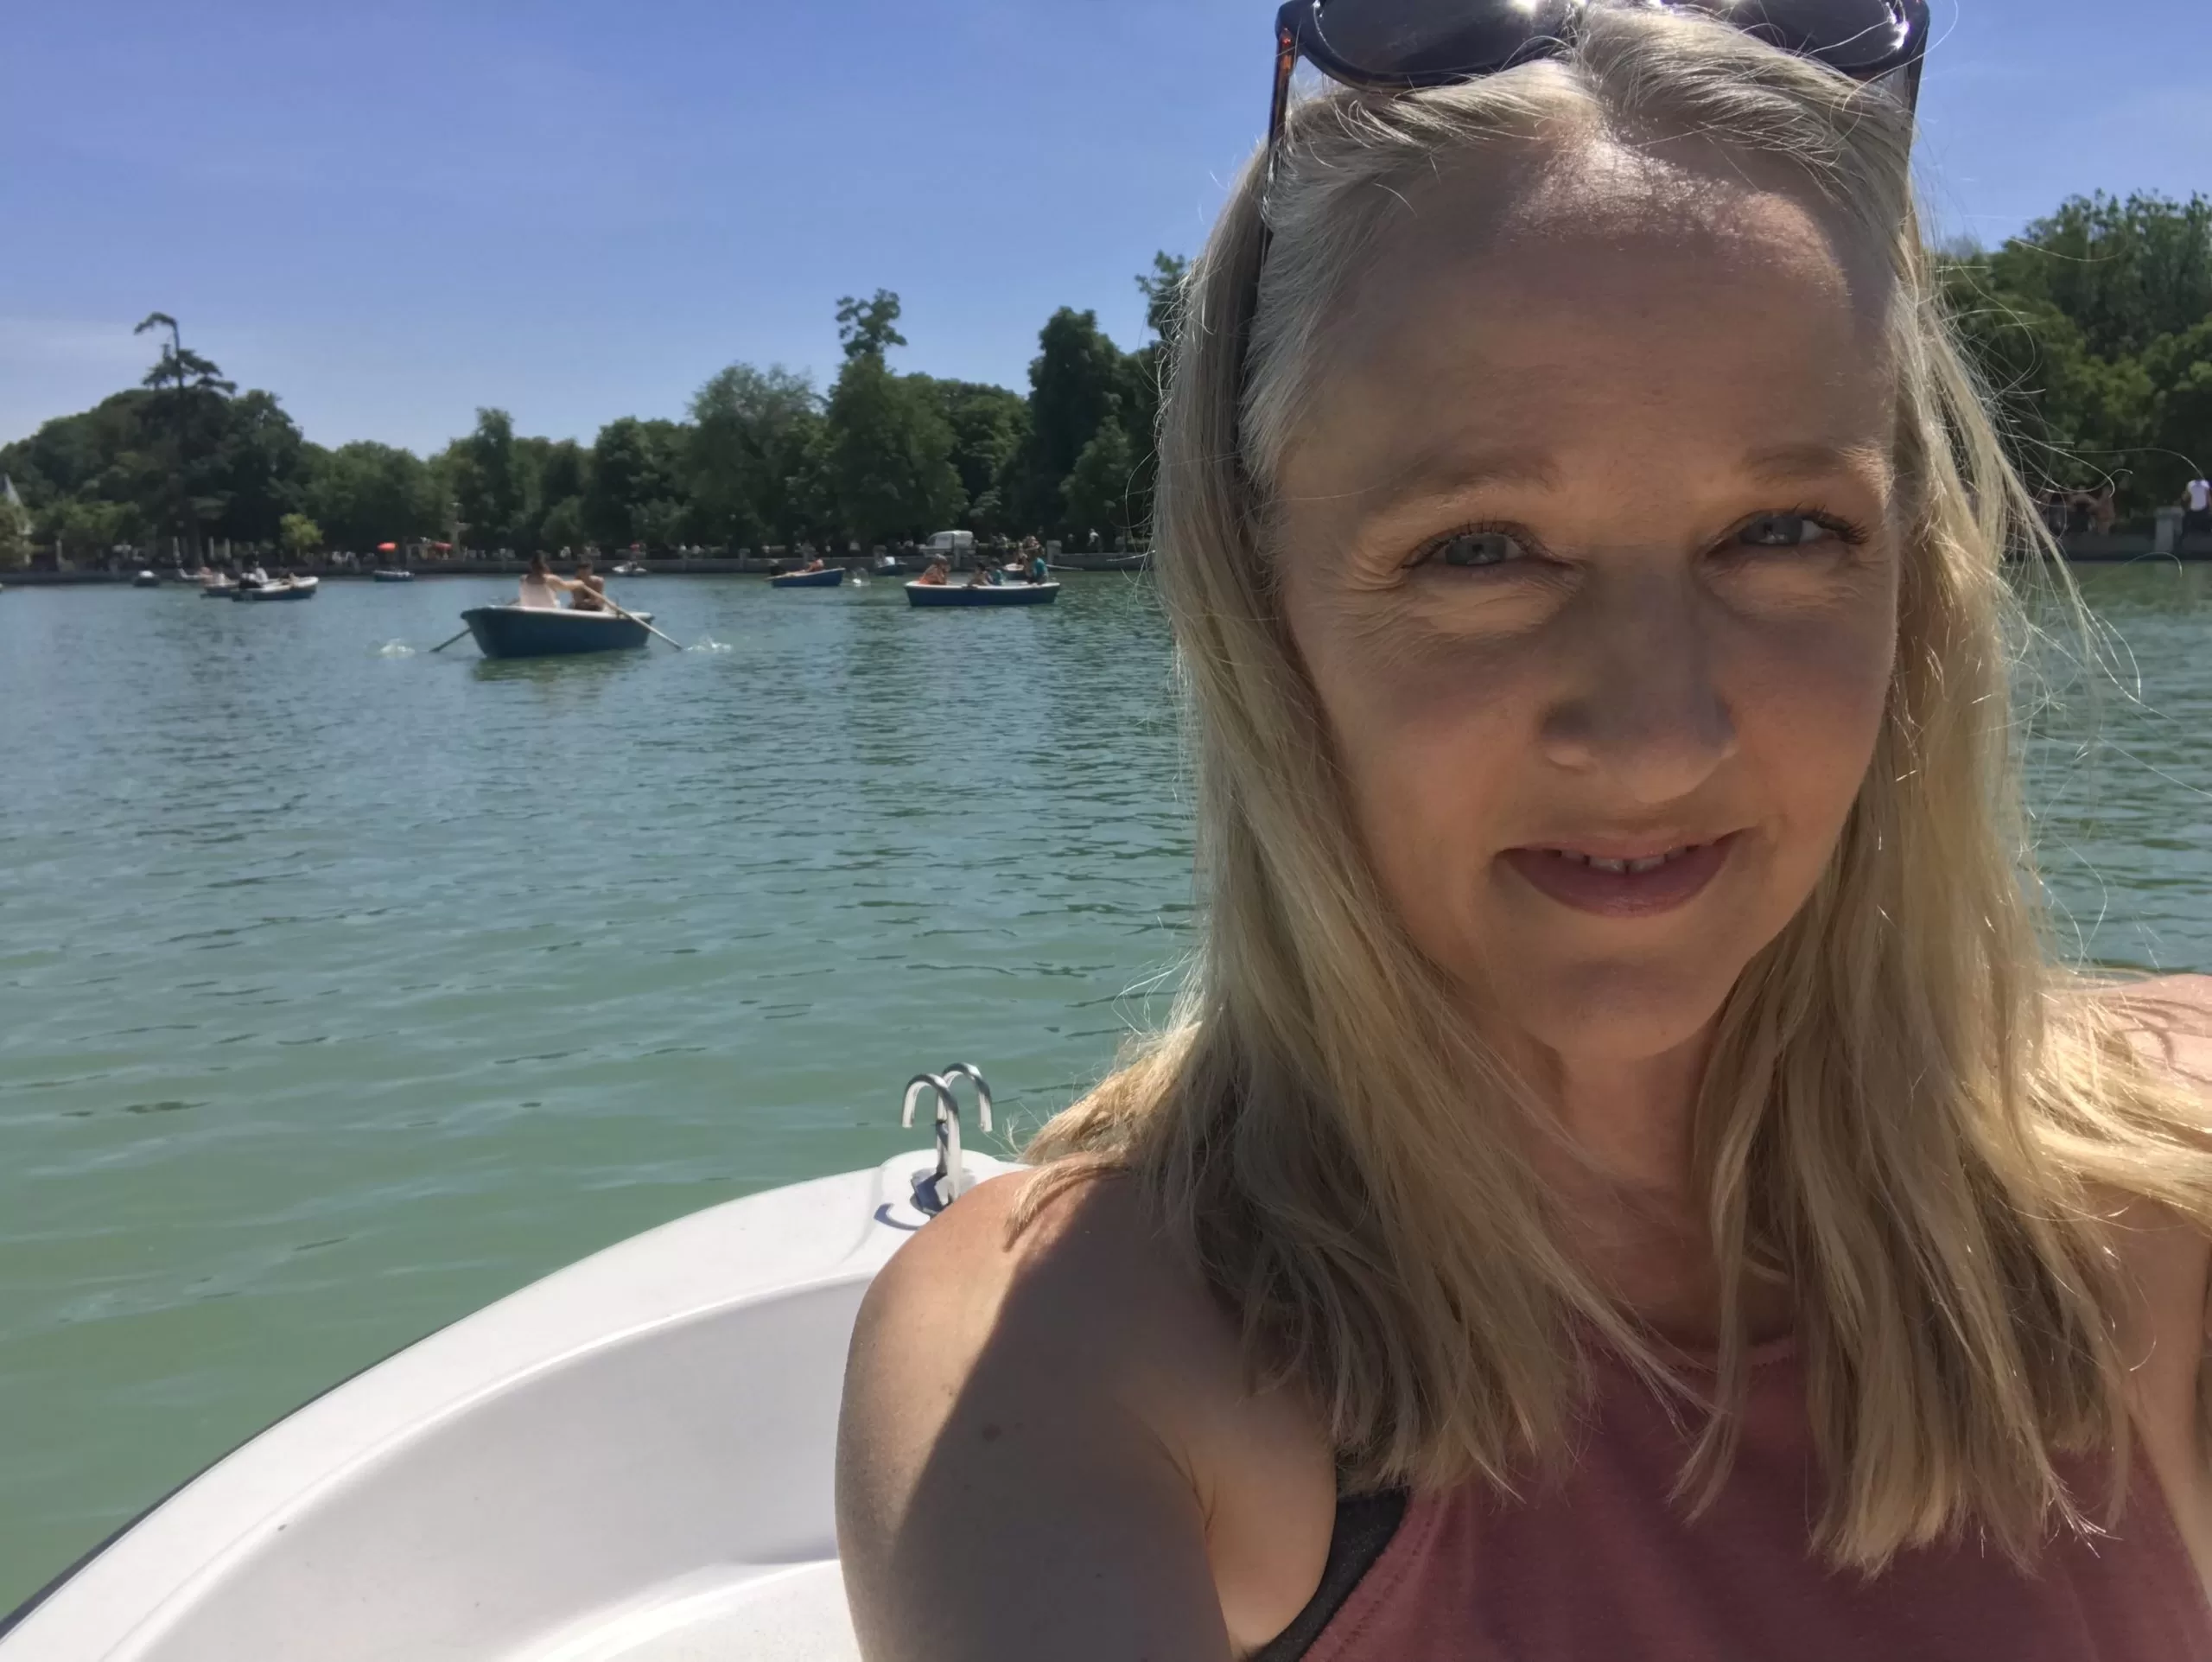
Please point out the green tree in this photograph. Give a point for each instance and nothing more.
(364, 493)
(1078, 380)
(869, 327)
(15, 528)
(299, 535)
(173, 465)
(1151, 368)
(636, 491)
(259, 470)
(2125, 272)
(2180, 366)
(750, 452)
(889, 456)
(887, 446)
(2091, 331)
(488, 482)
(989, 426)
(1098, 492)
(563, 526)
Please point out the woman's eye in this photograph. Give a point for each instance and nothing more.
(1785, 530)
(1472, 549)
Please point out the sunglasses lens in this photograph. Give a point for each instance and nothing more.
(1435, 39)
(1846, 35)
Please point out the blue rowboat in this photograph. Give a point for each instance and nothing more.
(959, 594)
(541, 632)
(829, 579)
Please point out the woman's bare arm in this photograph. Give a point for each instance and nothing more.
(2164, 1330)
(1047, 1451)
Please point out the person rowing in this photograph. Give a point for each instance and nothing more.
(588, 591)
(1627, 1178)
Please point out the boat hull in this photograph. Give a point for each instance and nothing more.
(395, 577)
(537, 632)
(275, 593)
(834, 577)
(1011, 594)
(667, 1410)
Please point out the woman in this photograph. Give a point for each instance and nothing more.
(541, 589)
(1628, 1181)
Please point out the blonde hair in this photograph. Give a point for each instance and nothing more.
(1909, 1114)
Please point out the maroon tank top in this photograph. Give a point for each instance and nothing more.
(1599, 1566)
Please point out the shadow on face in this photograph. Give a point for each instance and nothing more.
(1589, 546)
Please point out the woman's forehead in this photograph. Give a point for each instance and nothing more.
(1543, 310)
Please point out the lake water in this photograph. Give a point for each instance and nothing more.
(344, 987)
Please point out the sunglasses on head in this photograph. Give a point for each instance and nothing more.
(1382, 45)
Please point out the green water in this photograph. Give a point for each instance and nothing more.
(342, 992)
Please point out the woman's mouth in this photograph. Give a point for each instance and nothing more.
(1615, 884)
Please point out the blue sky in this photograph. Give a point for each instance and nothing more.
(392, 213)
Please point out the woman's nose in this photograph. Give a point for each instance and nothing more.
(1642, 709)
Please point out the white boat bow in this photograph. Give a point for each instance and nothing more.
(630, 1461)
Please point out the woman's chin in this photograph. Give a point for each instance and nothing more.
(1607, 1012)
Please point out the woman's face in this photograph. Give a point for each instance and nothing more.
(1589, 548)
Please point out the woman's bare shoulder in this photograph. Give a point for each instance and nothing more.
(2169, 1023)
(2169, 1020)
(1058, 1375)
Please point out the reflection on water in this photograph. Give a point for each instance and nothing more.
(348, 986)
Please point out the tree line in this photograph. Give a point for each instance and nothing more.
(764, 458)
(2093, 329)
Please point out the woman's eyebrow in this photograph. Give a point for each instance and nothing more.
(1441, 476)
(1783, 464)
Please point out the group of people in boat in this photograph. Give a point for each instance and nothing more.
(541, 589)
(938, 575)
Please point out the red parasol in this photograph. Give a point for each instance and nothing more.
(387, 548)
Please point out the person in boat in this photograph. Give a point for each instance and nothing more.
(1630, 1180)
(541, 588)
(254, 577)
(814, 563)
(588, 591)
(1039, 570)
(937, 574)
(981, 574)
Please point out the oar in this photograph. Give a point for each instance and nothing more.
(634, 617)
(443, 645)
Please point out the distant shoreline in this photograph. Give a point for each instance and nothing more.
(2081, 549)
(512, 568)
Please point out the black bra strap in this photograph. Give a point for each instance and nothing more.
(1366, 1524)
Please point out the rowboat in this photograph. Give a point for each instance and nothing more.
(1002, 593)
(829, 577)
(630, 1460)
(545, 632)
(393, 576)
(283, 589)
(146, 580)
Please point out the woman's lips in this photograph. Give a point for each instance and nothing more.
(1619, 887)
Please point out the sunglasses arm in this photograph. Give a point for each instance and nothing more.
(1287, 49)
